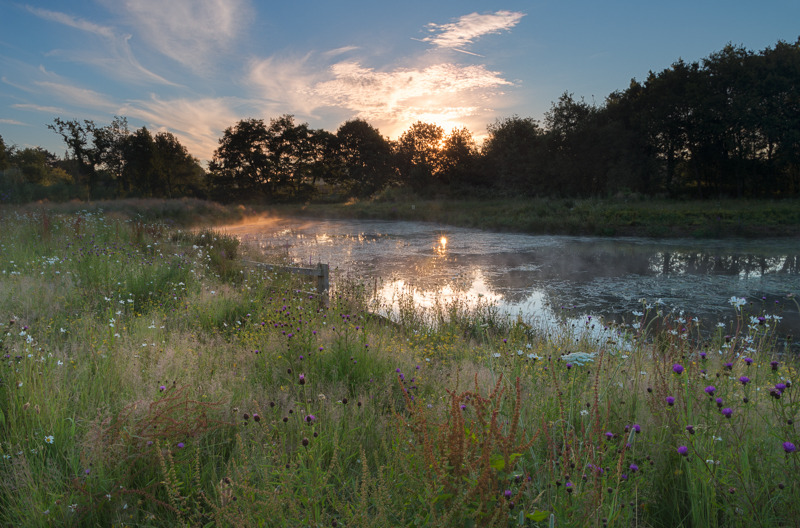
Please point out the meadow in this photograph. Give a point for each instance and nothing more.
(147, 378)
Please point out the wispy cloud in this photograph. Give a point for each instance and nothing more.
(467, 28)
(198, 123)
(116, 56)
(74, 22)
(191, 32)
(12, 122)
(78, 96)
(40, 108)
(286, 82)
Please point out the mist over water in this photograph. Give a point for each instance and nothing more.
(538, 277)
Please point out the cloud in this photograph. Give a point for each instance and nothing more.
(286, 82)
(71, 21)
(77, 96)
(440, 93)
(191, 32)
(198, 123)
(116, 57)
(467, 28)
(40, 108)
(13, 122)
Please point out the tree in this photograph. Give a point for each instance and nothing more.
(459, 155)
(418, 154)
(3, 155)
(240, 167)
(79, 139)
(177, 172)
(513, 157)
(281, 161)
(363, 164)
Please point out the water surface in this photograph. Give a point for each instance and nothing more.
(538, 276)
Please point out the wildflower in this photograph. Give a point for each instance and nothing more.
(710, 390)
(310, 418)
(677, 368)
(774, 365)
(780, 387)
(162, 388)
(507, 493)
(637, 428)
(744, 380)
(634, 468)
(496, 354)
(789, 447)
(748, 361)
(670, 401)
(609, 435)
(181, 445)
(49, 439)
(727, 412)
(568, 486)
(719, 402)
(302, 379)
(690, 429)
(305, 442)
(683, 450)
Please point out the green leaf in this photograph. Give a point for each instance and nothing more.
(497, 462)
(442, 497)
(537, 516)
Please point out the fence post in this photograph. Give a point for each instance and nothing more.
(323, 279)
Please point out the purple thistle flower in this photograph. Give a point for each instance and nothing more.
(690, 429)
(634, 468)
(162, 388)
(507, 493)
(609, 435)
(677, 368)
(780, 387)
(670, 401)
(749, 361)
(719, 402)
(744, 380)
(181, 445)
(310, 418)
(710, 390)
(789, 447)
(637, 428)
(727, 412)
(702, 355)
(728, 366)
(774, 365)
(683, 450)
(302, 379)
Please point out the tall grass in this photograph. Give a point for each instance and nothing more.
(147, 379)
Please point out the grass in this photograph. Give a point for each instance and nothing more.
(602, 217)
(146, 379)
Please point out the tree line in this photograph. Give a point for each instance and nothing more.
(725, 126)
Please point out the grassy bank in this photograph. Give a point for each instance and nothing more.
(147, 379)
(612, 217)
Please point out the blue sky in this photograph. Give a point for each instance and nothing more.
(196, 67)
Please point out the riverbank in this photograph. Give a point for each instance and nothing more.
(610, 217)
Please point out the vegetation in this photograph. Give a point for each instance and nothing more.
(724, 127)
(148, 379)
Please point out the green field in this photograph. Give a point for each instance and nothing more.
(148, 379)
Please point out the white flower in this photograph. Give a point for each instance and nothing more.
(637, 314)
(584, 412)
(496, 354)
(63, 330)
(737, 302)
(49, 439)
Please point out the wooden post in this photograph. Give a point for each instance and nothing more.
(321, 273)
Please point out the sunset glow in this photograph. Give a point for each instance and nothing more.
(196, 67)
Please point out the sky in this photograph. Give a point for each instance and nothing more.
(197, 67)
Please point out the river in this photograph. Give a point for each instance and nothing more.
(540, 278)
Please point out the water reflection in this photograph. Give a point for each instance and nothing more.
(537, 275)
